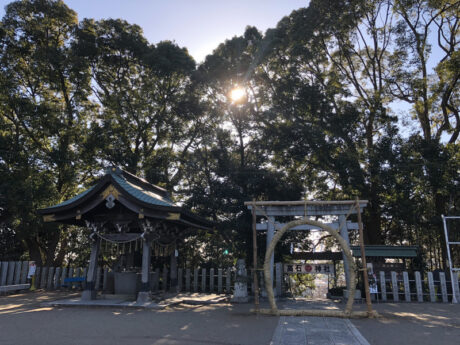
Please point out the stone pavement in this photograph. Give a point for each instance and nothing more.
(300, 330)
(294, 330)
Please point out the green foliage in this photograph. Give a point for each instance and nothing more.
(316, 122)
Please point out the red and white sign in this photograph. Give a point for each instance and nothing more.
(309, 268)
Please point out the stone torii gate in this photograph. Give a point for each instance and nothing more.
(339, 210)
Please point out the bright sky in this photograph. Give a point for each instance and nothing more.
(198, 25)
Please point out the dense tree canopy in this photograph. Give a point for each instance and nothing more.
(320, 118)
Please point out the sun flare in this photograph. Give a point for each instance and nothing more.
(237, 94)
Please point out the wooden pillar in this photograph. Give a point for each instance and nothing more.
(383, 286)
(173, 273)
(431, 287)
(219, 280)
(394, 286)
(279, 278)
(270, 234)
(203, 280)
(180, 279)
(187, 279)
(144, 295)
(57, 278)
(363, 259)
(407, 295)
(344, 234)
(255, 284)
(228, 278)
(90, 292)
(442, 278)
(195, 280)
(418, 286)
(4, 273)
(211, 280)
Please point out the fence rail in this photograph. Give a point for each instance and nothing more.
(392, 286)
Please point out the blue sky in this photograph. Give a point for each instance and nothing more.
(198, 25)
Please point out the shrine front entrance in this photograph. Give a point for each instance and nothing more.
(130, 222)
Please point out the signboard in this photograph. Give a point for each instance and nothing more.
(32, 268)
(309, 268)
(373, 287)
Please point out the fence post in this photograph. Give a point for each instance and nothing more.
(279, 277)
(70, 285)
(63, 276)
(195, 280)
(49, 282)
(164, 280)
(17, 272)
(394, 286)
(38, 272)
(211, 280)
(431, 287)
(24, 272)
(203, 280)
(442, 278)
(228, 282)
(406, 286)
(10, 277)
(219, 280)
(383, 286)
(180, 273)
(418, 286)
(44, 277)
(456, 292)
(4, 273)
(57, 278)
(187, 279)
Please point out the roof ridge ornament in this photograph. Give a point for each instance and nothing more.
(110, 201)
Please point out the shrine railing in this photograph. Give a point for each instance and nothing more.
(389, 286)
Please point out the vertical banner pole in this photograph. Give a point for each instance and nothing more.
(363, 258)
(254, 251)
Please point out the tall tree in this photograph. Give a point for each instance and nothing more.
(44, 108)
(149, 115)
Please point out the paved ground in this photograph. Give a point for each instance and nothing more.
(122, 301)
(412, 323)
(316, 331)
(24, 321)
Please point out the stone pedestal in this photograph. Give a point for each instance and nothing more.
(240, 293)
(144, 297)
(88, 295)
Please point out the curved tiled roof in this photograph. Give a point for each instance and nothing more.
(75, 198)
(134, 189)
(142, 194)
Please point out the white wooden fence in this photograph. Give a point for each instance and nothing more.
(403, 287)
(396, 287)
(213, 280)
